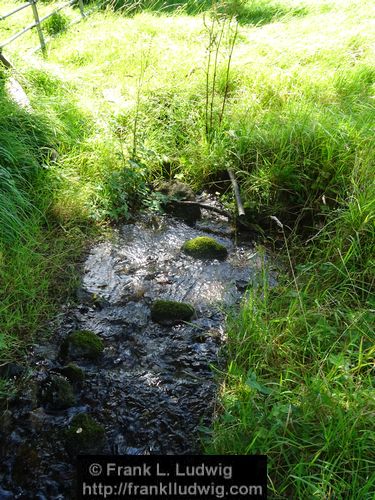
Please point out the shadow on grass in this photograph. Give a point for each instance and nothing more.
(260, 12)
(256, 12)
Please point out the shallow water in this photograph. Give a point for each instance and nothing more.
(154, 387)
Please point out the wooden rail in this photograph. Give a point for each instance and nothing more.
(36, 24)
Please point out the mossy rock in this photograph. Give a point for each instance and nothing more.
(168, 312)
(82, 344)
(73, 373)
(85, 435)
(177, 190)
(204, 247)
(57, 393)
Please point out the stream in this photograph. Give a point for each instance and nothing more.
(153, 387)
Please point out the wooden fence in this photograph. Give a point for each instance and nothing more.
(38, 21)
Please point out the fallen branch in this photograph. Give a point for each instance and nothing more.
(240, 220)
(236, 190)
(219, 211)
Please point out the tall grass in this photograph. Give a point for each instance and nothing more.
(310, 350)
(34, 258)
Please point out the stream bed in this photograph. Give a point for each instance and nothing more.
(153, 388)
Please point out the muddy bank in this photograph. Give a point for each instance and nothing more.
(152, 387)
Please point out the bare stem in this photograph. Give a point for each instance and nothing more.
(217, 51)
(145, 62)
(210, 30)
(231, 49)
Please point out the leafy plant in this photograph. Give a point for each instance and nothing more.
(125, 191)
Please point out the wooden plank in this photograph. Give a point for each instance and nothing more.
(14, 37)
(38, 22)
(21, 7)
(47, 16)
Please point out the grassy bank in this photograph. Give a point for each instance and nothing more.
(297, 129)
(38, 250)
(300, 377)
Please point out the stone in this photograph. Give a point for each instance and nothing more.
(188, 213)
(37, 419)
(90, 299)
(177, 190)
(82, 344)
(4, 494)
(85, 435)
(6, 420)
(204, 247)
(57, 393)
(167, 312)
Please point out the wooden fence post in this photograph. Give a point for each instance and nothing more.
(37, 23)
(80, 4)
(5, 61)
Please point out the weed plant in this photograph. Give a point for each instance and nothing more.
(56, 24)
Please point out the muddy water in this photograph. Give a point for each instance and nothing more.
(153, 388)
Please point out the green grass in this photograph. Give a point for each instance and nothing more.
(296, 118)
(35, 256)
(122, 100)
(301, 373)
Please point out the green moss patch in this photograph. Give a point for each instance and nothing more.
(169, 311)
(73, 373)
(82, 344)
(57, 393)
(85, 435)
(204, 247)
